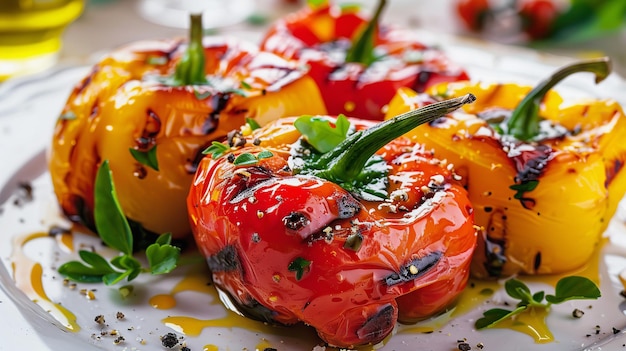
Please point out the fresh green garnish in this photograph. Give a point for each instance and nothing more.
(568, 288)
(299, 265)
(523, 187)
(115, 232)
(321, 133)
(69, 115)
(247, 159)
(216, 150)
(350, 160)
(201, 95)
(254, 125)
(146, 158)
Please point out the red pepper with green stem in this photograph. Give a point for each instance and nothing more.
(358, 64)
(349, 240)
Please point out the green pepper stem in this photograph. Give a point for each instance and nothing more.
(348, 159)
(190, 69)
(362, 49)
(524, 121)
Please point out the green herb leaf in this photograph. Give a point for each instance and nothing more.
(79, 272)
(96, 261)
(110, 221)
(523, 187)
(299, 265)
(162, 258)
(216, 150)
(246, 86)
(245, 159)
(574, 288)
(321, 133)
(156, 60)
(496, 315)
(201, 95)
(264, 154)
(164, 239)
(254, 125)
(68, 115)
(517, 290)
(146, 158)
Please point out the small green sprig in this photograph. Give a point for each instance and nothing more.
(115, 232)
(568, 288)
(146, 158)
(247, 159)
(216, 150)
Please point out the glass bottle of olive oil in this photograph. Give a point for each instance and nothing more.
(31, 32)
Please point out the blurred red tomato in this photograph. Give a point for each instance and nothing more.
(473, 13)
(537, 17)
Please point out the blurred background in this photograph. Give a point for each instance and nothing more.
(78, 32)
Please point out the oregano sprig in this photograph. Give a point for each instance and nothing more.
(568, 288)
(115, 232)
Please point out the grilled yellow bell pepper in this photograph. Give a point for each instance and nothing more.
(151, 109)
(544, 174)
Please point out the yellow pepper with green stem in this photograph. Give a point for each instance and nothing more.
(544, 174)
(151, 108)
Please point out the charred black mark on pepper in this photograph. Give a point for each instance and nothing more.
(495, 257)
(257, 177)
(347, 207)
(147, 140)
(56, 230)
(421, 82)
(414, 269)
(378, 325)
(226, 260)
(537, 262)
(219, 102)
(611, 172)
(296, 220)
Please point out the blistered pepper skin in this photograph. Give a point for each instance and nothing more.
(127, 103)
(320, 37)
(555, 227)
(292, 248)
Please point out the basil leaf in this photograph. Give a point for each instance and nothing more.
(216, 150)
(146, 158)
(524, 187)
(96, 261)
(78, 271)
(321, 133)
(252, 123)
(264, 154)
(495, 315)
(574, 288)
(162, 258)
(110, 221)
(299, 265)
(245, 159)
(517, 290)
(164, 239)
(114, 278)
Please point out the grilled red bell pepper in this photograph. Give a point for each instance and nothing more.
(358, 65)
(287, 242)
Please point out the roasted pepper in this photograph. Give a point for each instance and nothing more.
(342, 240)
(357, 65)
(544, 174)
(151, 108)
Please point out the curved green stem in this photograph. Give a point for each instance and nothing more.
(524, 121)
(190, 69)
(347, 160)
(362, 49)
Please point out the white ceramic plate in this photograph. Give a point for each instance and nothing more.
(183, 303)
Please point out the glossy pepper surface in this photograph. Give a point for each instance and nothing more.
(289, 246)
(358, 65)
(545, 196)
(151, 108)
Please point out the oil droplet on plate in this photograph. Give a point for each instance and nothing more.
(162, 301)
